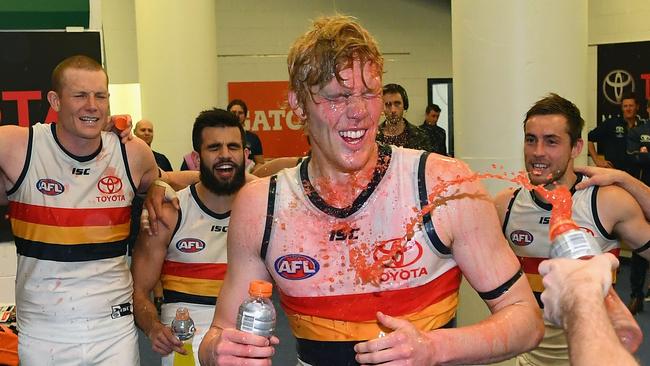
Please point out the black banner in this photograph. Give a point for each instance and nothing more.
(622, 68)
(26, 63)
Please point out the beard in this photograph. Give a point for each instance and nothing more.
(393, 119)
(219, 186)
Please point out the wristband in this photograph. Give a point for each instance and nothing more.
(170, 194)
(491, 295)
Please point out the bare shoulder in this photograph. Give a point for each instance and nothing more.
(13, 151)
(253, 195)
(136, 147)
(141, 163)
(615, 198)
(447, 176)
(446, 168)
(502, 200)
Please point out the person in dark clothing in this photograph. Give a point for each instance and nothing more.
(638, 144)
(253, 144)
(396, 130)
(437, 135)
(612, 139)
(144, 130)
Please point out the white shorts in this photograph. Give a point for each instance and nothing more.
(202, 316)
(122, 350)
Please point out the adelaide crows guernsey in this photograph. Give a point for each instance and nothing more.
(526, 227)
(195, 265)
(70, 217)
(319, 256)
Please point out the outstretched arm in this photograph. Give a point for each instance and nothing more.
(573, 296)
(468, 222)
(605, 177)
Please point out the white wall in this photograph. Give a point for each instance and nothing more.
(253, 38)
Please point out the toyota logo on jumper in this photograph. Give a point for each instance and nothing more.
(109, 184)
(617, 83)
(403, 256)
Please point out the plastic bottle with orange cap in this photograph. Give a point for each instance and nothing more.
(568, 241)
(257, 313)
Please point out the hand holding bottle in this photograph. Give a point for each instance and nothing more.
(567, 280)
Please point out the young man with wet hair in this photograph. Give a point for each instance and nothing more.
(332, 234)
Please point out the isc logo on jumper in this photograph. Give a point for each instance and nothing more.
(521, 237)
(296, 266)
(49, 187)
(190, 245)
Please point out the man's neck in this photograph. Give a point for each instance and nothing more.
(75, 145)
(568, 180)
(337, 187)
(216, 203)
(631, 122)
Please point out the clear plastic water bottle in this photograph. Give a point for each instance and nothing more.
(568, 241)
(183, 328)
(257, 314)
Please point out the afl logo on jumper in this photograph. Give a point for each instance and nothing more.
(393, 256)
(190, 245)
(109, 184)
(296, 266)
(521, 238)
(49, 187)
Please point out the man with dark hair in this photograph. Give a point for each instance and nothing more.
(331, 234)
(437, 135)
(552, 129)
(253, 144)
(70, 186)
(396, 130)
(190, 258)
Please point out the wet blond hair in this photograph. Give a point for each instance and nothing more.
(330, 46)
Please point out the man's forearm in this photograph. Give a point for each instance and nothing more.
(590, 334)
(181, 179)
(511, 331)
(145, 313)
